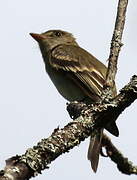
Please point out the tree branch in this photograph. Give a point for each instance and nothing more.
(115, 48)
(92, 118)
(123, 164)
(116, 42)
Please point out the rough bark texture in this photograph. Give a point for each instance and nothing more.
(116, 44)
(123, 164)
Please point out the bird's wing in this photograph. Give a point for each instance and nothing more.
(82, 65)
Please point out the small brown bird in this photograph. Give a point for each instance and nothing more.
(77, 75)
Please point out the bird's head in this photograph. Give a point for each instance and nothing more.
(53, 38)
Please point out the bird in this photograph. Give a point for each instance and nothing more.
(77, 75)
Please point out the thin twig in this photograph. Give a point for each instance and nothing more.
(116, 43)
(123, 164)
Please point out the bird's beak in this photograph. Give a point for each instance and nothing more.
(38, 37)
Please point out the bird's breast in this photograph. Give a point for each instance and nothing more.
(65, 86)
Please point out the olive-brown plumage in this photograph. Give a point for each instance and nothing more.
(77, 75)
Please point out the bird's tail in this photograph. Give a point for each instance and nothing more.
(94, 150)
(95, 144)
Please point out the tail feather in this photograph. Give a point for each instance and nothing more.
(112, 128)
(94, 150)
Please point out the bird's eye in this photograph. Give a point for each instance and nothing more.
(57, 33)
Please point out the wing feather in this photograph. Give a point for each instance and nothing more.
(83, 65)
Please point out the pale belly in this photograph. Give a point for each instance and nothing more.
(66, 87)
